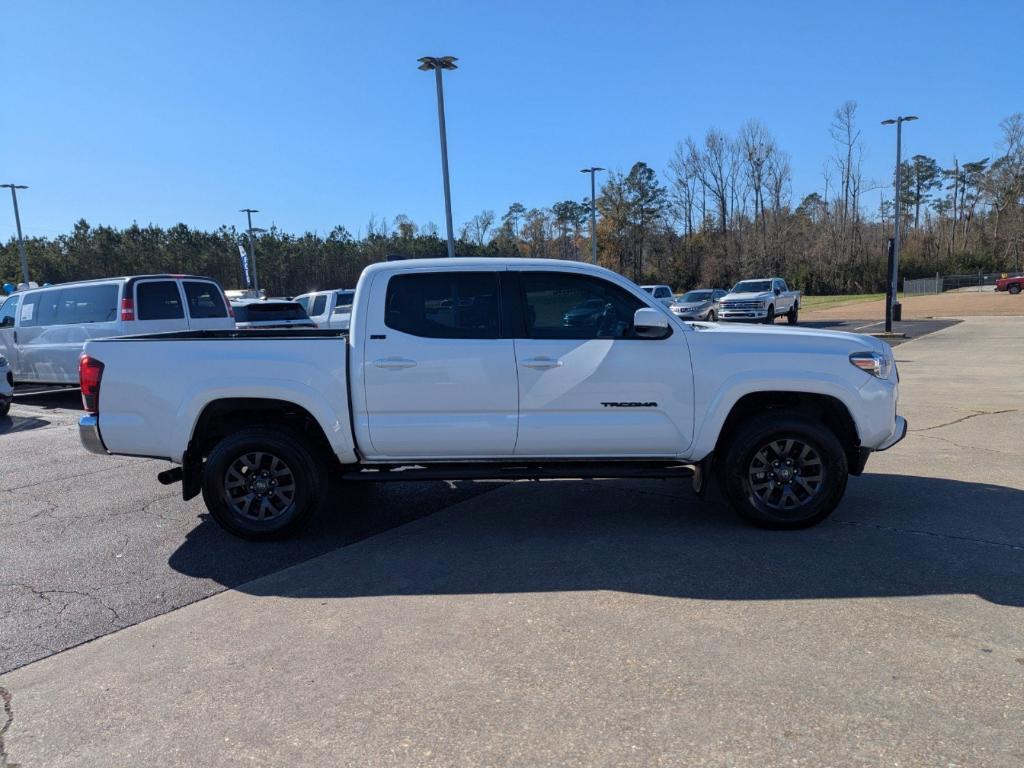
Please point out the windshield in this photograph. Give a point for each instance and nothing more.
(256, 313)
(752, 286)
(695, 296)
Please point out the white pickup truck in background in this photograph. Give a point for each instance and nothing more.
(481, 368)
(760, 300)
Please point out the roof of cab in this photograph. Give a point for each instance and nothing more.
(483, 262)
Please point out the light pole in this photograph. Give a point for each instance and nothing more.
(593, 211)
(17, 221)
(894, 263)
(439, 63)
(252, 245)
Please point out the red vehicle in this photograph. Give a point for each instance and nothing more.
(1013, 285)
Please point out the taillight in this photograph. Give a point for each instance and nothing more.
(127, 309)
(90, 372)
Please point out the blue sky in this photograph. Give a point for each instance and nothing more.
(315, 113)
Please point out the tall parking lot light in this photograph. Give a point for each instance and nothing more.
(593, 211)
(17, 221)
(894, 265)
(437, 64)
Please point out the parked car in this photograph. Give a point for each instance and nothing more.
(43, 330)
(270, 314)
(762, 300)
(328, 309)
(662, 293)
(6, 387)
(503, 390)
(700, 304)
(1012, 285)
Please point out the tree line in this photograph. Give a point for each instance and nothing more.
(722, 209)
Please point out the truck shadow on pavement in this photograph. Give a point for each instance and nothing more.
(892, 536)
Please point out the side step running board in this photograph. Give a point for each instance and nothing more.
(582, 471)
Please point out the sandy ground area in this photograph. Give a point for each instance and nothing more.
(922, 307)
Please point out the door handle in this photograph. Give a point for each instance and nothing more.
(394, 363)
(542, 363)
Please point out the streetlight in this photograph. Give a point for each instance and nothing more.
(439, 63)
(593, 211)
(891, 303)
(252, 244)
(17, 220)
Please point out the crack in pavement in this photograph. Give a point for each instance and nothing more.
(45, 594)
(971, 447)
(915, 532)
(965, 418)
(75, 477)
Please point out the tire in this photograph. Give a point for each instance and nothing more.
(793, 315)
(769, 319)
(1014, 288)
(263, 507)
(5, 408)
(712, 317)
(804, 477)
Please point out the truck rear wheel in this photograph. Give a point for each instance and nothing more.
(262, 483)
(783, 470)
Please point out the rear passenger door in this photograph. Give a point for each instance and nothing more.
(438, 379)
(206, 308)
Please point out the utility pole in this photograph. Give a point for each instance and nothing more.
(252, 245)
(893, 309)
(439, 63)
(17, 221)
(593, 211)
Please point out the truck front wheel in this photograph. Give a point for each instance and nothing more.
(782, 469)
(793, 315)
(1014, 288)
(262, 483)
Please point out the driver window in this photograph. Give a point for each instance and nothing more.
(565, 306)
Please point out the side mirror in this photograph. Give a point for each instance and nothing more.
(778, 291)
(650, 323)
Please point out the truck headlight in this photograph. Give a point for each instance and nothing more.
(875, 363)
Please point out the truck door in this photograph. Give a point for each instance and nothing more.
(589, 386)
(438, 380)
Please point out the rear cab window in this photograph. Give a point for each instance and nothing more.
(443, 305)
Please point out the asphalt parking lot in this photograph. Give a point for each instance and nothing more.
(585, 623)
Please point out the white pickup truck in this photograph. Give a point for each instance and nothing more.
(760, 300)
(488, 368)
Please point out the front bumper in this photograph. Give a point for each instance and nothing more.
(89, 434)
(743, 314)
(899, 431)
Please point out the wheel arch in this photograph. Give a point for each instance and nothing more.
(832, 411)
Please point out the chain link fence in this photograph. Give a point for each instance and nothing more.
(940, 283)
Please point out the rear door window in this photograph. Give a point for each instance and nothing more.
(88, 304)
(204, 299)
(158, 300)
(444, 305)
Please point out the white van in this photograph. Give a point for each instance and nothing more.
(328, 309)
(43, 330)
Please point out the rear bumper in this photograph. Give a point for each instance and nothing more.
(89, 434)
